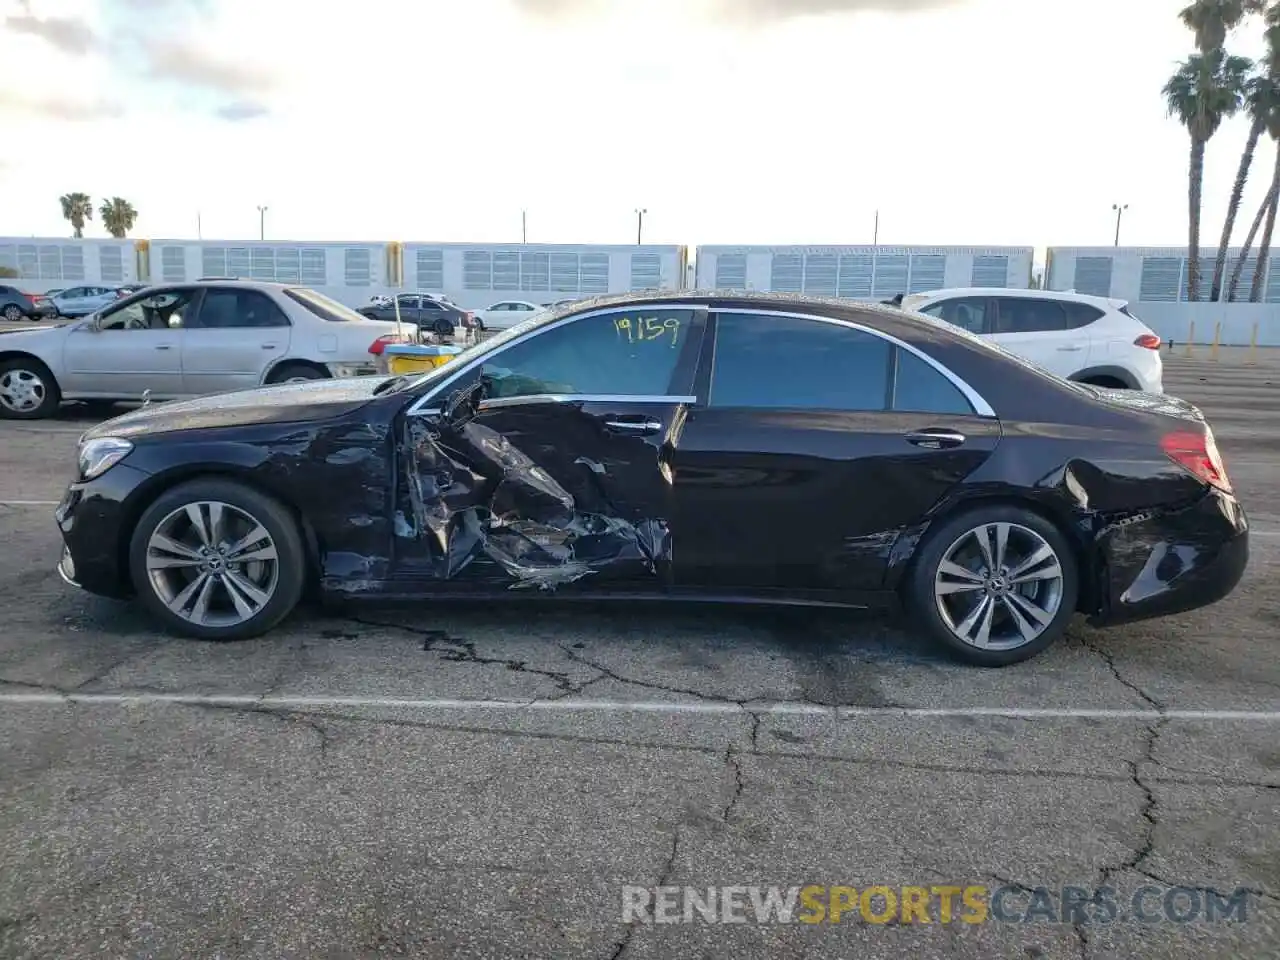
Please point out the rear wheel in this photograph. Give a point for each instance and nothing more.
(295, 373)
(217, 560)
(27, 390)
(995, 585)
(1111, 383)
(13, 313)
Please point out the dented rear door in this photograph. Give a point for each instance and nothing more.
(551, 470)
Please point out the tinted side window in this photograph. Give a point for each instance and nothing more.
(919, 388)
(1080, 315)
(785, 362)
(968, 313)
(230, 309)
(632, 354)
(1029, 316)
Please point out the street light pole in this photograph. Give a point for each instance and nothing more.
(640, 225)
(524, 226)
(262, 223)
(1119, 209)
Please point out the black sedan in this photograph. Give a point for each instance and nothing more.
(740, 448)
(425, 313)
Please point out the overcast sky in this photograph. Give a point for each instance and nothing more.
(731, 121)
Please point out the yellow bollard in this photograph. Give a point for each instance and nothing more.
(1253, 347)
(1191, 339)
(1217, 338)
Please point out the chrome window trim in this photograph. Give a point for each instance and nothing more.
(420, 407)
(976, 400)
(529, 398)
(980, 406)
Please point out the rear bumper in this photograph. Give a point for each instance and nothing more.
(1173, 562)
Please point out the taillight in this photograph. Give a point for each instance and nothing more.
(1148, 340)
(33, 298)
(1197, 453)
(380, 344)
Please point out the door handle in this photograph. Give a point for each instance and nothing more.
(1074, 349)
(641, 428)
(936, 439)
(269, 346)
(164, 346)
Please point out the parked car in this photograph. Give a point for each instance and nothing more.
(1094, 340)
(17, 305)
(742, 447)
(426, 313)
(506, 313)
(185, 340)
(82, 301)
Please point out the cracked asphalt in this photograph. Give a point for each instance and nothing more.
(308, 805)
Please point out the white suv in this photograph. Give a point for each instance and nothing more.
(1092, 340)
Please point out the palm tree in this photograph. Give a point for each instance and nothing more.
(76, 207)
(1238, 270)
(1262, 98)
(118, 216)
(1212, 20)
(1264, 247)
(1206, 89)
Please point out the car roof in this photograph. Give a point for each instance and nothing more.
(1069, 296)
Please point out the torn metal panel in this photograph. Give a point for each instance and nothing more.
(473, 493)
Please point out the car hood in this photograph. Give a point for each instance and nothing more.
(287, 403)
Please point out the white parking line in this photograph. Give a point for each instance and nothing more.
(630, 706)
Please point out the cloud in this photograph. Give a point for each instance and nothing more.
(740, 11)
(60, 108)
(242, 110)
(189, 65)
(65, 33)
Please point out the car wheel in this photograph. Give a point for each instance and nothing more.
(295, 373)
(28, 390)
(217, 560)
(995, 585)
(13, 313)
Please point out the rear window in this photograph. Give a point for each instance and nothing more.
(323, 307)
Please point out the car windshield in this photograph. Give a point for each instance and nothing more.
(326, 308)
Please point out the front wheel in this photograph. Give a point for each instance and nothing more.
(217, 560)
(28, 390)
(995, 585)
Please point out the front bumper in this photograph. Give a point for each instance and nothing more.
(1173, 561)
(93, 517)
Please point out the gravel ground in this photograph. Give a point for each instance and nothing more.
(348, 805)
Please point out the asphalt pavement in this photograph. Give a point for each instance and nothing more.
(470, 781)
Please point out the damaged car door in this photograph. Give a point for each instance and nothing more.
(546, 464)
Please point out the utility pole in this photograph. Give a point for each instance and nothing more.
(640, 225)
(199, 233)
(875, 236)
(262, 223)
(524, 226)
(1119, 209)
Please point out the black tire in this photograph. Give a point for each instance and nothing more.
(272, 515)
(24, 368)
(923, 606)
(13, 313)
(295, 371)
(1109, 383)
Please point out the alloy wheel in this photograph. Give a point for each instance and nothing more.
(212, 564)
(12, 313)
(22, 390)
(998, 586)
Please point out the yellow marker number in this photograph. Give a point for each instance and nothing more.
(648, 329)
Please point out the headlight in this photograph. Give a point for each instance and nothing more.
(98, 456)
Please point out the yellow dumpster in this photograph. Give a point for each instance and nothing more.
(414, 358)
